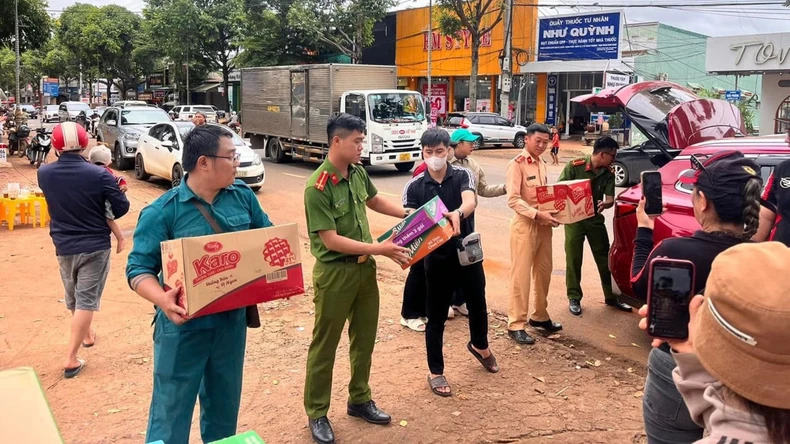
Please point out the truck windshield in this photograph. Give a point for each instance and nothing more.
(396, 107)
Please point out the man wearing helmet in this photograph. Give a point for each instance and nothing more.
(76, 192)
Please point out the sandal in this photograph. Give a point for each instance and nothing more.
(415, 324)
(69, 373)
(437, 383)
(489, 363)
(461, 309)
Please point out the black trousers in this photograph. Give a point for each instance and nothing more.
(415, 292)
(443, 275)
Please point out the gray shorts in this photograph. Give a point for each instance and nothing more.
(84, 276)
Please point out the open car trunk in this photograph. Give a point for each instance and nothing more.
(671, 116)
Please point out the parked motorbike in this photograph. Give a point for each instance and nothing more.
(82, 119)
(17, 139)
(39, 148)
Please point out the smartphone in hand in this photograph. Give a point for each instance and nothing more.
(651, 189)
(668, 297)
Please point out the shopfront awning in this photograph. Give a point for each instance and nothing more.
(562, 66)
(206, 87)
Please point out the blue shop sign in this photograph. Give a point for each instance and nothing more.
(580, 37)
(552, 96)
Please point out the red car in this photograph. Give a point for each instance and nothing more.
(674, 118)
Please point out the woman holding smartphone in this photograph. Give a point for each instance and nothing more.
(726, 201)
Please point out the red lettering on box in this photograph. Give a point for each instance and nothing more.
(212, 247)
(209, 265)
(277, 253)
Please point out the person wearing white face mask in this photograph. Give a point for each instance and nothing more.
(443, 270)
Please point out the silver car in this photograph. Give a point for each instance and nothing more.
(69, 111)
(121, 128)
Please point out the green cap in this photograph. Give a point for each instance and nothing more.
(462, 135)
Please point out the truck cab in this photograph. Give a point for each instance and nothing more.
(395, 120)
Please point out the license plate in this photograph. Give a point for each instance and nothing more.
(240, 174)
(404, 157)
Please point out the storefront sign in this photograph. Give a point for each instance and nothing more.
(483, 105)
(616, 80)
(449, 42)
(760, 52)
(51, 88)
(438, 97)
(234, 76)
(156, 80)
(551, 99)
(145, 96)
(159, 94)
(732, 95)
(580, 37)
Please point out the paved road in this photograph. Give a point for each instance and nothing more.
(598, 321)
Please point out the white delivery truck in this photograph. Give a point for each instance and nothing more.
(285, 110)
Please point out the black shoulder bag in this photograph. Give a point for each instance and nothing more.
(253, 317)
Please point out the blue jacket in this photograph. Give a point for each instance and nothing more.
(76, 191)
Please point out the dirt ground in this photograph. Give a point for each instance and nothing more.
(559, 391)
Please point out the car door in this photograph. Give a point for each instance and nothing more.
(505, 129)
(63, 114)
(146, 148)
(156, 151)
(489, 128)
(167, 155)
(109, 133)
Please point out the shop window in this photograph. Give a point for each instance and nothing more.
(783, 112)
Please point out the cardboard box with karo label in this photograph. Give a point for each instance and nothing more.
(221, 272)
(572, 199)
(417, 223)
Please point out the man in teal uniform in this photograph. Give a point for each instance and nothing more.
(344, 277)
(203, 356)
(597, 169)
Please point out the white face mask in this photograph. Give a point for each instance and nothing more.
(436, 163)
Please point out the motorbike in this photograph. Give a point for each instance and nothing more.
(17, 138)
(94, 124)
(82, 119)
(39, 148)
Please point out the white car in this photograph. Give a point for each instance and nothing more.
(493, 129)
(159, 154)
(124, 103)
(51, 113)
(185, 113)
(69, 111)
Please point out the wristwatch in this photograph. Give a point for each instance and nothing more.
(460, 214)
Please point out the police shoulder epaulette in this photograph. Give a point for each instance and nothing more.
(321, 182)
(519, 158)
(579, 162)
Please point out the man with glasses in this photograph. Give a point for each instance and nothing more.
(596, 168)
(203, 356)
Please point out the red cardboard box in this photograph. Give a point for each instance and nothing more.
(221, 272)
(572, 199)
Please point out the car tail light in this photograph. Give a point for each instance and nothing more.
(464, 123)
(622, 209)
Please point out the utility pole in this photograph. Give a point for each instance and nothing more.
(189, 99)
(506, 79)
(80, 87)
(18, 97)
(430, 50)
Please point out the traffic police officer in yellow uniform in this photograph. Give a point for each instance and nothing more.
(344, 276)
(597, 169)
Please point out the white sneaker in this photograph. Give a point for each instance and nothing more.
(451, 313)
(414, 324)
(461, 309)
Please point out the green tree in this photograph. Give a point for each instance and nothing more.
(220, 29)
(36, 24)
(478, 17)
(268, 39)
(103, 41)
(7, 69)
(343, 25)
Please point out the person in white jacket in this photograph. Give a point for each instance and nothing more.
(734, 370)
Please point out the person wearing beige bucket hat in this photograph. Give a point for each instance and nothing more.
(734, 369)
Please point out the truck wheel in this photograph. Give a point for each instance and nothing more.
(404, 167)
(275, 150)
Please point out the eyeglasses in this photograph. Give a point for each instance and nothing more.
(235, 158)
(697, 165)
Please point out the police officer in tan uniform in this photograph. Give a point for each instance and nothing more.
(530, 239)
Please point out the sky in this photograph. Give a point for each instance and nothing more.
(708, 20)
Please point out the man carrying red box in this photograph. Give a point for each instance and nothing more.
(205, 356)
(596, 168)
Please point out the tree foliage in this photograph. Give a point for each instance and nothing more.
(36, 24)
(344, 25)
(478, 17)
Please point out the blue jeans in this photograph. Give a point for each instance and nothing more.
(203, 358)
(667, 419)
